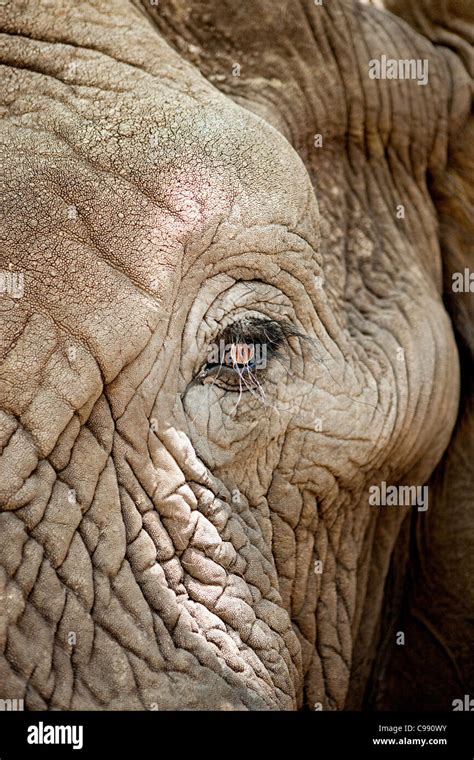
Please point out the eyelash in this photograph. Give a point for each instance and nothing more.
(258, 340)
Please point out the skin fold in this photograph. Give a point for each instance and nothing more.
(169, 540)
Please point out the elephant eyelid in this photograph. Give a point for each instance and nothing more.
(269, 332)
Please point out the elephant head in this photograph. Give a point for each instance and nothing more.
(230, 241)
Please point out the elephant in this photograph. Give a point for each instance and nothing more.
(229, 321)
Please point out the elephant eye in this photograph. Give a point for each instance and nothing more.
(236, 365)
(238, 359)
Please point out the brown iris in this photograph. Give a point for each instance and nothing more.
(240, 354)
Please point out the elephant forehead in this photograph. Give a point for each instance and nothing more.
(109, 201)
(146, 169)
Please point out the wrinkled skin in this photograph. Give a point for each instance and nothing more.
(158, 534)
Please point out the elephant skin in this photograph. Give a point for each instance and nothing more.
(174, 174)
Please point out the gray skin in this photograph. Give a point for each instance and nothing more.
(159, 531)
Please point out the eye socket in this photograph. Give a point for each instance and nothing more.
(238, 359)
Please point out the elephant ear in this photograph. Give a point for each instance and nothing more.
(435, 667)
